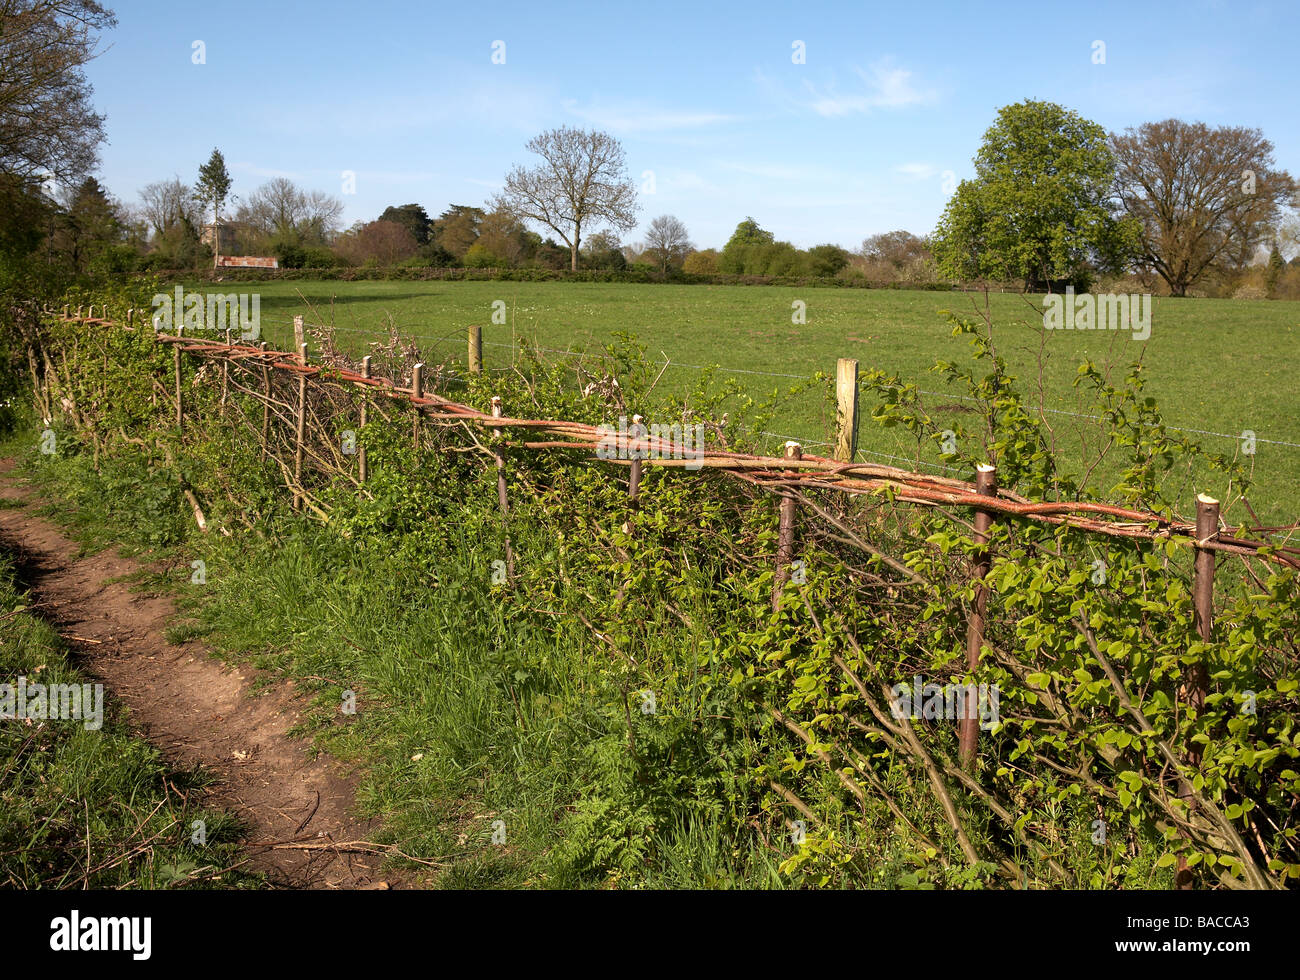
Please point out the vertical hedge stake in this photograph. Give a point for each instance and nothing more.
(225, 376)
(785, 531)
(499, 455)
(986, 481)
(475, 350)
(176, 367)
(266, 403)
(1195, 682)
(846, 409)
(365, 404)
(417, 391)
(298, 338)
(634, 471)
(301, 432)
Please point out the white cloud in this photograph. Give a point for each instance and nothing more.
(643, 119)
(885, 85)
(917, 171)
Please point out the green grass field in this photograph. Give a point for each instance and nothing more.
(1219, 366)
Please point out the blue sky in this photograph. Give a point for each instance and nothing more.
(705, 97)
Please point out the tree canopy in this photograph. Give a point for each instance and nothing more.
(1040, 208)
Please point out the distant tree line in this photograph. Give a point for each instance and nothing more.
(1055, 200)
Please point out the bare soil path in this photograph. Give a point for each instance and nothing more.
(194, 709)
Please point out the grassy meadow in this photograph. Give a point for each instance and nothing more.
(1219, 366)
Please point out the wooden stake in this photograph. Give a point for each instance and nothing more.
(176, 365)
(298, 338)
(225, 378)
(417, 391)
(475, 350)
(266, 403)
(499, 455)
(301, 431)
(634, 471)
(785, 532)
(365, 413)
(1195, 684)
(846, 409)
(986, 482)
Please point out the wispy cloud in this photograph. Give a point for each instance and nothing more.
(630, 118)
(917, 171)
(883, 85)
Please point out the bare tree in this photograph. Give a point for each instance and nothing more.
(166, 202)
(668, 242)
(1205, 198)
(47, 125)
(387, 242)
(280, 207)
(582, 181)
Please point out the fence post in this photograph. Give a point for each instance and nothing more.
(176, 367)
(417, 391)
(986, 482)
(499, 455)
(266, 402)
(846, 409)
(634, 470)
(298, 339)
(785, 531)
(225, 376)
(301, 430)
(365, 404)
(475, 350)
(1195, 682)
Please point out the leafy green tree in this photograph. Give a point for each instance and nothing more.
(827, 260)
(87, 226)
(747, 234)
(703, 262)
(456, 229)
(213, 186)
(1276, 265)
(1040, 207)
(412, 217)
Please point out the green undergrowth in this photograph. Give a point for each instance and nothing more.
(629, 710)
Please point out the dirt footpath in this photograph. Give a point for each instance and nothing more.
(195, 710)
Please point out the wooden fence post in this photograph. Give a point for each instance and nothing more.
(225, 376)
(301, 430)
(417, 391)
(499, 456)
(365, 405)
(1195, 684)
(475, 350)
(634, 471)
(846, 409)
(266, 403)
(298, 338)
(176, 367)
(785, 531)
(986, 482)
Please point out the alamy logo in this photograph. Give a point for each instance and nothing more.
(98, 933)
(47, 702)
(674, 441)
(209, 311)
(1109, 311)
(949, 702)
